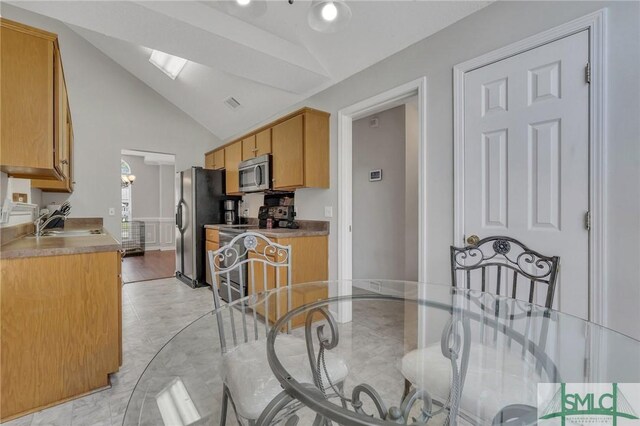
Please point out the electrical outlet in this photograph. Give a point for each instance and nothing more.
(328, 211)
(112, 211)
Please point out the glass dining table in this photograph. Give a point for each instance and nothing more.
(391, 352)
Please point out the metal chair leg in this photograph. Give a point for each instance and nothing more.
(407, 389)
(225, 403)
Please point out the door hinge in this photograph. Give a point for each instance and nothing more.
(587, 73)
(587, 220)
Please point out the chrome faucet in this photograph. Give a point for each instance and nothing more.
(41, 223)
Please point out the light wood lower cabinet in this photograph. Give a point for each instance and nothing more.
(61, 330)
(209, 245)
(310, 263)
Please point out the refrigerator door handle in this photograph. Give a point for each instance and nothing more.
(179, 217)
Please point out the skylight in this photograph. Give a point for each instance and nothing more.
(168, 64)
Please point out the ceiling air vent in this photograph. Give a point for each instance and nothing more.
(231, 102)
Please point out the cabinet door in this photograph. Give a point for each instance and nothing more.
(249, 147)
(61, 159)
(70, 150)
(209, 161)
(209, 245)
(263, 143)
(65, 185)
(27, 85)
(288, 153)
(218, 159)
(232, 157)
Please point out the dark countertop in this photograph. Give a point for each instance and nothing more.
(308, 228)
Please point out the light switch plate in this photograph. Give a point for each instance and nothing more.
(328, 211)
(112, 211)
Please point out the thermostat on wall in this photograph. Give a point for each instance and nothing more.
(375, 175)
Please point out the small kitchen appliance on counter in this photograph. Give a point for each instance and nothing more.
(281, 216)
(230, 212)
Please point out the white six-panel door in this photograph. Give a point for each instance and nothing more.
(526, 158)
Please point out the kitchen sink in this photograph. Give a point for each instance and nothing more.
(71, 233)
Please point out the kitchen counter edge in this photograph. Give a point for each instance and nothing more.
(58, 246)
(276, 232)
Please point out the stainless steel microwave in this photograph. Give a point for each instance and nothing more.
(255, 174)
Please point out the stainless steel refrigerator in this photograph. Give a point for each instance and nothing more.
(199, 201)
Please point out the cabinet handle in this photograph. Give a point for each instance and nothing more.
(64, 162)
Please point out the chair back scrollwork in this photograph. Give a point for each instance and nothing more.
(247, 256)
(506, 267)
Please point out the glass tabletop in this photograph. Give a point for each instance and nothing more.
(410, 353)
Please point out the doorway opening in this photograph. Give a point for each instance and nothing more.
(148, 237)
(346, 117)
(385, 194)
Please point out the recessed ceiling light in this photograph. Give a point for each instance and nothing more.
(243, 2)
(328, 16)
(329, 12)
(168, 64)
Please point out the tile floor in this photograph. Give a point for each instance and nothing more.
(152, 313)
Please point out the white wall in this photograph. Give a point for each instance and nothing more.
(379, 206)
(111, 110)
(493, 27)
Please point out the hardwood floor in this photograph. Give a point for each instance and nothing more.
(152, 266)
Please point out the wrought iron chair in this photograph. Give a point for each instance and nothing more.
(504, 253)
(490, 370)
(249, 385)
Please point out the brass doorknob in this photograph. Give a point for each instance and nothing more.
(473, 240)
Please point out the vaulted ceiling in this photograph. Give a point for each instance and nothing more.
(267, 61)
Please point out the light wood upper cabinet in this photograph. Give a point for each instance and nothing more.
(301, 151)
(288, 153)
(208, 161)
(256, 145)
(67, 183)
(298, 143)
(232, 157)
(218, 159)
(36, 131)
(27, 140)
(316, 149)
(214, 160)
(263, 142)
(249, 147)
